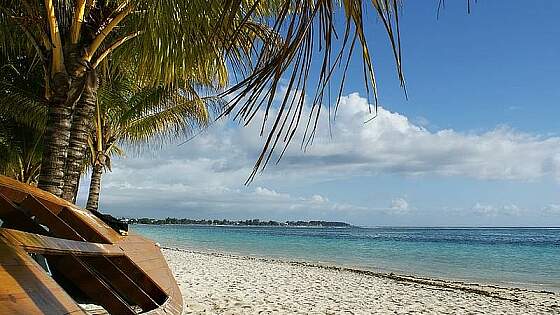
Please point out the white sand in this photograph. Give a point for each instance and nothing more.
(225, 284)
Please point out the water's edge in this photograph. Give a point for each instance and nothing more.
(507, 258)
(491, 290)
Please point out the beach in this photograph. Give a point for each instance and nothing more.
(219, 283)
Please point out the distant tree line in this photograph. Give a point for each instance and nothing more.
(252, 222)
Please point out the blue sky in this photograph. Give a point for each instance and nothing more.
(475, 144)
(497, 65)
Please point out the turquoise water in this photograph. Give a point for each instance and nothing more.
(518, 257)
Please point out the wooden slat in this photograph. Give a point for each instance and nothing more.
(8, 209)
(141, 278)
(18, 187)
(44, 216)
(142, 267)
(40, 244)
(14, 195)
(17, 191)
(26, 289)
(14, 217)
(122, 282)
(147, 256)
(87, 230)
(61, 226)
(101, 228)
(91, 284)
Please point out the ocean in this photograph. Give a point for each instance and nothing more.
(513, 257)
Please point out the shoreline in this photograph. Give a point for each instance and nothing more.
(427, 227)
(211, 280)
(458, 284)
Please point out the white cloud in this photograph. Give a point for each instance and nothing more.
(318, 199)
(392, 144)
(488, 210)
(399, 206)
(261, 191)
(206, 175)
(204, 199)
(551, 210)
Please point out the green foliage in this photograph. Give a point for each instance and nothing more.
(20, 81)
(20, 151)
(22, 119)
(143, 116)
(244, 49)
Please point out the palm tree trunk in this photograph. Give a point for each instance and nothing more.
(94, 187)
(82, 122)
(56, 139)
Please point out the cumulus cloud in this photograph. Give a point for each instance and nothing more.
(391, 143)
(206, 175)
(318, 199)
(399, 206)
(488, 210)
(265, 192)
(200, 201)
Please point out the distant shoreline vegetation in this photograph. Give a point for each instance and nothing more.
(252, 222)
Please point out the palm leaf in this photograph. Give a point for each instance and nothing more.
(304, 24)
(19, 82)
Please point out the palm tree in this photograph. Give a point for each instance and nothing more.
(128, 114)
(73, 39)
(21, 120)
(170, 42)
(132, 115)
(20, 151)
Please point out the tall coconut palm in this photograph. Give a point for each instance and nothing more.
(168, 42)
(135, 116)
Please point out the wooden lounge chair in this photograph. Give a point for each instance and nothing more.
(86, 260)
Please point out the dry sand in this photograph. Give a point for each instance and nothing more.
(214, 283)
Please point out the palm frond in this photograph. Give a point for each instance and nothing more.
(146, 116)
(172, 120)
(19, 82)
(243, 48)
(20, 150)
(310, 40)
